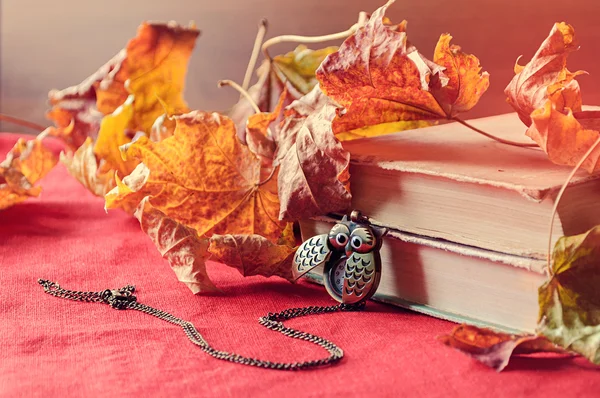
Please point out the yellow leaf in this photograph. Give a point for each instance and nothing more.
(570, 300)
(112, 136)
(382, 129)
(299, 66)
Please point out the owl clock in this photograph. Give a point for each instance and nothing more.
(350, 255)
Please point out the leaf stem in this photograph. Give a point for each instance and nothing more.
(559, 197)
(21, 122)
(493, 137)
(260, 36)
(244, 94)
(362, 19)
(240, 90)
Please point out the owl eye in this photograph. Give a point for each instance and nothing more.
(341, 239)
(338, 236)
(362, 240)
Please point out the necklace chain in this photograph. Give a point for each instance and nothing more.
(123, 299)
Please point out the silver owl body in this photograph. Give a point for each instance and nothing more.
(350, 254)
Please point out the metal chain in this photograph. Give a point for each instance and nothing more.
(123, 299)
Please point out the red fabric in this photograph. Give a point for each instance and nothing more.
(55, 347)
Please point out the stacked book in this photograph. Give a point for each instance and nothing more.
(469, 219)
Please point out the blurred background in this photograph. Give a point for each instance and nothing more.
(55, 44)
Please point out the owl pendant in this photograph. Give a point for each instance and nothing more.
(350, 253)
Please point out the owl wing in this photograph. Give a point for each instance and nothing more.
(359, 277)
(311, 253)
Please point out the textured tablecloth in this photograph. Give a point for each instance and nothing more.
(55, 347)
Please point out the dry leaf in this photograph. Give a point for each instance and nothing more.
(154, 71)
(82, 165)
(546, 76)
(74, 110)
(464, 82)
(178, 244)
(124, 97)
(548, 100)
(565, 136)
(495, 349)
(293, 73)
(295, 115)
(379, 77)
(204, 178)
(314, 177)
(570, 300)
(25, 164)
(253, 255)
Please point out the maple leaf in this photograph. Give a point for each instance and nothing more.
(314, 176)
(153, 70)
(313, 167)
(25, 164)
(292, 73)
(378, 76)
(123, 98)
(566, 136)
(546, 76)
(204, 178)
(548, 100)
(570, 300)
(495, 349)
(464, 83)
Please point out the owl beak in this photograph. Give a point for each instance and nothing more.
(348, 248)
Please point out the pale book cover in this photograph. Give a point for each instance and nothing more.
(449, 182)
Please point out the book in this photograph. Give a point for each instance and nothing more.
(451, 281)
(449, 182)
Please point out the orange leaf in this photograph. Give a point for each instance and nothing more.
(154, 71)
(25, 164)
(495, 349)
(465, 82)
(253, 255)
(178, 244)
(204, 178)
(379, 77)
(566, 137)
(546, 76)
(125, 97)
